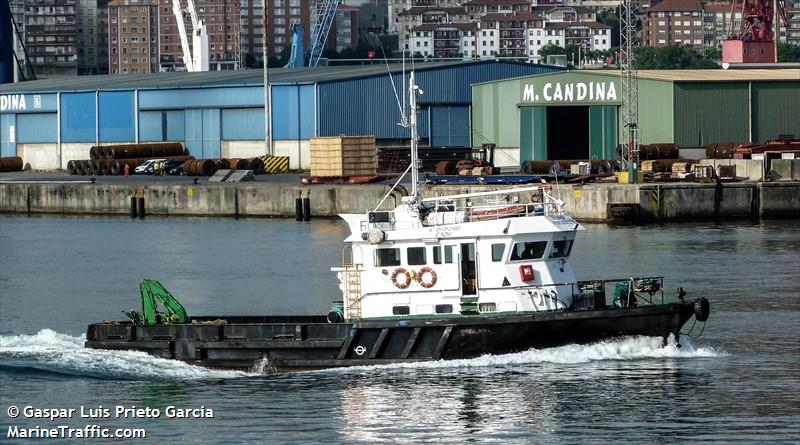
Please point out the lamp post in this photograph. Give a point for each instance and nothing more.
(267, 92)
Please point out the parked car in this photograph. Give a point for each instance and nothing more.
(147, 167)
(172, 167)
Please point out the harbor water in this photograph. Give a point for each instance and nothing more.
(739, 382)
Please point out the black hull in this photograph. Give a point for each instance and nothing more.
(299, 343)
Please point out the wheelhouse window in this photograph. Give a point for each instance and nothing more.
(416, 256)
(531, 250)
(448, 254)
(561, 249)
(497, 252)
(437, 254)
(387, 257)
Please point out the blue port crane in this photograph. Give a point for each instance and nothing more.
(325, 13)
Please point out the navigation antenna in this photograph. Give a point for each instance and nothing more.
(410, 121)
(630, 89)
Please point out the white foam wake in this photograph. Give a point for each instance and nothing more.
(50, 351)
(627, 348)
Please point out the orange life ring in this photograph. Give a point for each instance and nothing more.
(399, 271)
(421, 280)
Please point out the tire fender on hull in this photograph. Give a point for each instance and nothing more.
(702, 309)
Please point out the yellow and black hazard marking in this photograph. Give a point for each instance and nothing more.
(276, 164)
(657, 197)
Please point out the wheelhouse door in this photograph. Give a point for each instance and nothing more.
(447, 268)
(469, 275)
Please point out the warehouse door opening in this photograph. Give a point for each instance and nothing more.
(568, 132)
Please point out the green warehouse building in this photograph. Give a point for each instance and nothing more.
(576, 114)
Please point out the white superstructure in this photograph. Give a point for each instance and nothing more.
(455, 255)
(441, 256)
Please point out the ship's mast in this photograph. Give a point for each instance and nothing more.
(412, 101)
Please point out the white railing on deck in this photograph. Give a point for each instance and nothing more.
(541, 204)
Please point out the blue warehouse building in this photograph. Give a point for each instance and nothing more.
(221, 114)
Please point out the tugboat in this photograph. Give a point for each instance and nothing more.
(436, 278)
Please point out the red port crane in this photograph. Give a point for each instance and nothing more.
(753, 41)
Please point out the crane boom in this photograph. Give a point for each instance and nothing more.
(325, 14)
(753, 38)
(196, 57)
(192, 14)
(187, 52)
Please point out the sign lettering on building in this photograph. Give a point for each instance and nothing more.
(12, 102)
(568, 92)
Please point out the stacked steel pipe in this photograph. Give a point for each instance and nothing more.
(200, 167)
(112, 159)
(132, 151)
(651, 152)
(11, 164)
(721, 150)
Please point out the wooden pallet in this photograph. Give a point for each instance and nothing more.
(343, 156)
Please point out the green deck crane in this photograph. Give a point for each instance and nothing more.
(153, 292)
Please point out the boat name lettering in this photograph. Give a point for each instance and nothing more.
(445, 231)
(570, 92)
(561, 220)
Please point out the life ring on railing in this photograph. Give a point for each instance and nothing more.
(421, 277)
(407, 274)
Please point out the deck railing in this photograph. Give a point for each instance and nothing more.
(504, 204)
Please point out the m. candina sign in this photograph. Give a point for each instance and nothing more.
(570, 92)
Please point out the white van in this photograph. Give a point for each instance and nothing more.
(147, 167)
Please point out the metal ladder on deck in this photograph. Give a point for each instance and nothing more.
(352, 290)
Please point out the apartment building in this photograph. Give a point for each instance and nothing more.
(505, 35)
(397, 25)
(251, 37)
(791, 34)
(478, 8)
(587, 35)
(133, 37)
(102, 37)
(444, 40)
(422, 15)
(717, 19)
(372, 17)
(674, 22)
(222, 21)
(87, 27)
(565, 13)
(344, 29)
(520, 34)
(49, 30)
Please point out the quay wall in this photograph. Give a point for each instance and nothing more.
(656, 202)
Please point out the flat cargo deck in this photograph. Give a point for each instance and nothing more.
(310, 342)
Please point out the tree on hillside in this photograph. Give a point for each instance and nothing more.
(610, 17)
(551, 50)
(713, 53)
(788, 52)
(671, 58)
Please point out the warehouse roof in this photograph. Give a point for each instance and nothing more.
(719, 75)
(761, 74)
(252, 77)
